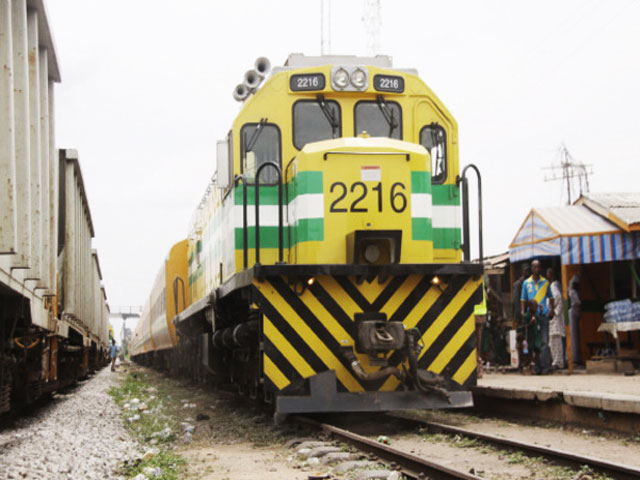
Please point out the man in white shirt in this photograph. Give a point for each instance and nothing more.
(556, 322)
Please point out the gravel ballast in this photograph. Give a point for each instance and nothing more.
(79, 435)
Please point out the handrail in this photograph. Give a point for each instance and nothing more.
(257, 207)
(175, 293)
(406, 155)
(245, 251)
(466, 245)
(286, 196)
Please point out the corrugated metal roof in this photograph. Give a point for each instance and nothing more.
(575, 220)
(621, 208)
(496, 261)
(577, 233)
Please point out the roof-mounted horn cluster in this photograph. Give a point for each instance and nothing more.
(252, 79)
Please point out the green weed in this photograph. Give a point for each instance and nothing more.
(152, 426)
(170, 464)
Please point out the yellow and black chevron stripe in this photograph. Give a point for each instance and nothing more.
(303, 332)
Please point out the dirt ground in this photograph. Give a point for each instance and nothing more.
(613, 383)
(234, 439)
(240, 461)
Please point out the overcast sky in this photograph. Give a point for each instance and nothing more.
(146, 91)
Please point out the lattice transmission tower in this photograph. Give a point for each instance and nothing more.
(325, 27)
(372, 21)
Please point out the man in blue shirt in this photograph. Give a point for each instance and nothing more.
(536, 287)
(113, 354)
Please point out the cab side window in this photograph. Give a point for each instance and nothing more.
(260, 143)
(434, 138)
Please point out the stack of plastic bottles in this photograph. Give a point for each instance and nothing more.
(622, 311)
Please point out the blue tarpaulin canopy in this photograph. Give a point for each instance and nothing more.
(574, 233)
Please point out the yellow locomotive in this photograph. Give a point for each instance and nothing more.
(324, 262)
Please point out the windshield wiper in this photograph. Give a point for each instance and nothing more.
(330, 114)
(388, 114)
(254, 138)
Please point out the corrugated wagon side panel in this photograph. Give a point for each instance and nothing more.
(27, 197)
(69, 237)
(53, 194)
(46, 281)
(21, 259)
(81, 276)
(34, 146)
(104, 333)
(8, 218)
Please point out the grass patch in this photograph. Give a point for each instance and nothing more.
(519, 458)
(169, 465)
(154, 419)
(151, 426)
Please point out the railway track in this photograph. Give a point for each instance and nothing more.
(618, 471)
(415, 467)
(410, 465)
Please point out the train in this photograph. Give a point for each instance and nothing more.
(54, 315)
(323, 269)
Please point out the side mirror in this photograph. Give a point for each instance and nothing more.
(223, 167)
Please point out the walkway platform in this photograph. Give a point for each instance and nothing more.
(609, 402)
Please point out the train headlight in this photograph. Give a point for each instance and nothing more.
(359, 78)
(341, 78)
(372, 253)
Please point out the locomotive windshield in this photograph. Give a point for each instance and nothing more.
(378, 118)
(260, 144)
(434, 139)
(315, 120)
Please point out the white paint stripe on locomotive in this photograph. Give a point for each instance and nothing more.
(268, 215)
(310, 205)
(303, 206)
(421, 205)
(446, 216)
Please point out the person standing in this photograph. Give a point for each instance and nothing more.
(536, 287)
(556, 321)
(113, 354)
(516, 293)
(574, 316)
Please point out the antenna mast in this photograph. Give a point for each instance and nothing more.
(372, 21)
(325, 27)
(568, 169)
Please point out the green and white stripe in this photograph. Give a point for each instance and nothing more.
(447, 233)
(303, 212)
(435, 212)
(421, 228)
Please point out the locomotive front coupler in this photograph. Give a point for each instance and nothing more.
(358, 371)
(376, 337)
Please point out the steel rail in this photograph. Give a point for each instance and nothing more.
(411, 465)
(615, 470)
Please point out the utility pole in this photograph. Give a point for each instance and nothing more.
(569, 169)
(372, 21)
(125, 313)
(325, 27)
